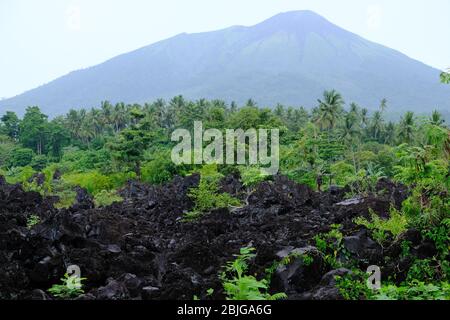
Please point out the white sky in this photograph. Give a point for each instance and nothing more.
(42, 40)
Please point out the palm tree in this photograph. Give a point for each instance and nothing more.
(377, 124)
(279, 111)
(389, 133)
(350, 129)
(383, 105)
(250, 103)
(106, 110)
(407, 127)
(354, 108)
(73, 123)
(119, 117)
(364, 116)
(330, 109)
(436, 118)
(350, 133)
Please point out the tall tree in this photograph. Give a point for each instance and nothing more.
(330, 109)
(377, 125)
(11, 124)
(34, 130)
(407, 127)
(130, 144)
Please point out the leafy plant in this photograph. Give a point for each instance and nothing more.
(251, 176)
(353, 286)
(417, 290)
(207, 196)
(330, 244)
(33, 220)
(396, 224)
(71, 287)
(106, 198)
(239, 286)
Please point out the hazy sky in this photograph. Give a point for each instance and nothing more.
(42, 40)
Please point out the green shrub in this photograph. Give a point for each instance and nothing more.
(33, 220)
(119, 179)
(251, 176)
(239, 286)
(354, 286)
(106, 198)
(21, 157)
(92, 181)
(39, 162)
(330, 244)
(396, 224)
(342, 172)
(71, 287)
(207, 196)
(19, 174)
(417, 290)
(63, 190)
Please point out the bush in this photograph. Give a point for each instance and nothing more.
(206, 196)
(21, 157)
(19, 174)
(92, 181)
(251, 176)
(342, 172)
(396, 224)
(39, 162)
(106, 198)
(417, 290)
(239, 286)
(119, 179)
(159, 170)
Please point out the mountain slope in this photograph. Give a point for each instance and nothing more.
(290, 58)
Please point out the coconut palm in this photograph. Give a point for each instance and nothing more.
(436, 118)
(383, 105)
(364, 117)
(377, 125)
(329, 110)
(407, 127)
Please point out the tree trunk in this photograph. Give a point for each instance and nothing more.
(138, 170)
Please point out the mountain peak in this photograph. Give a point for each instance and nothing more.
(295, 21)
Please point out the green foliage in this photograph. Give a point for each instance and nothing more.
(207, 196)
(395, 225)
(71, 287)
(21, 157)
(34, 130)
(440, 235)
(93, 181)
(76, 160)
(130, 144)
(105, 198)
(239, 286)
(33, 220)
(251, 176)
(353, 286)
(159, 169)
(39, 162)
(416, 290)
(19, 174)
(342, 172)
(445, 77)
(330, 244)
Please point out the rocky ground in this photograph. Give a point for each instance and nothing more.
(141, 248)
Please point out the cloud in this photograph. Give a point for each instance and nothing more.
(374, 17)
(73, 18)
